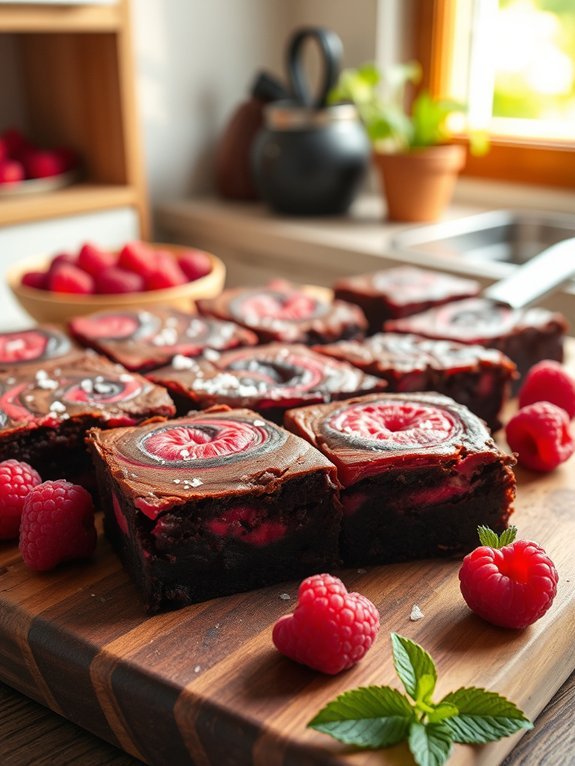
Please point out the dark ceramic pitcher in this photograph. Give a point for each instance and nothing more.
(310, 158)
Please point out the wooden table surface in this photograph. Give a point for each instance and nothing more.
(32, 734)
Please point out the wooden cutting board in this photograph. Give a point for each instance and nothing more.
(204, 685)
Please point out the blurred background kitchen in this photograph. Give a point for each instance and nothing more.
(143, 94)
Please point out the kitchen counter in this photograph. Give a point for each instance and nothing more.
(258, 245)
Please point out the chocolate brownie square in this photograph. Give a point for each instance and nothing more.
(45, 410)
(478, 377)
(524, 335)
(143, 340)
(402, 291)
(418, 474)
(287, 314)
(269, 379)
(44, 343)
(215, 503)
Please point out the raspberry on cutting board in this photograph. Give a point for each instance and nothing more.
(540, 436)
(549, 381)
(57, 525)
(508, 582)
(17, 480)
(330, 629)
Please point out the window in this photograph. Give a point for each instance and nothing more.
(513, 63)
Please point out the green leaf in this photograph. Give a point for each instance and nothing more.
(483, 716)
(493, 540)
(412, 662)
(369, 717)
(441, 711)
(425, 687)
(430, 744)
(507, 536)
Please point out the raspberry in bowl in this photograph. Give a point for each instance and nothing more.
(138, 276)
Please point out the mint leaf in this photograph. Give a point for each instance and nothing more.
(493, 540)
(369, 717)
(483, 716)
(430, 744)
(411, 663)
(488, 537)
(507, 536)
(441, 711)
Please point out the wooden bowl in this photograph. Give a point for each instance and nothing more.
(44, 306)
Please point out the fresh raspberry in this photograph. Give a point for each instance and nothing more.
(36, 279)
(548, 381)
(11, 172)
(168, 274)
(195, 264)
(57, 260)
(16, 482)
(115, 280)
(94, 260)
(43, 164)
(57, 525)
(511, 585)
(139, 258)
(67, 278)
(540, 435)
(14, 141)
(330, 629)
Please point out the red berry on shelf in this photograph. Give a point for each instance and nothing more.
(36, 279)
(94, 260)
(17, 479)
(167, 274)
(11, 172)
(330, 629)
(66, 278)
(15, 142)
(43, 164)
(511, 584)
(195, 264)
(138, 257)
(540, 435)
(67, 157)
(57, 525)
(549, 381)
(114, 280)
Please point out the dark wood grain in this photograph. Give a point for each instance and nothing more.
(203, 685)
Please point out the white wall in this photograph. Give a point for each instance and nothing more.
(195, 61)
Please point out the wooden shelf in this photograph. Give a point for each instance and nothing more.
(77, 78)
(80, 198)
(57, 18)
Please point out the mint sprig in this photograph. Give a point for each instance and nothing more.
(373, 717)
(492, 540)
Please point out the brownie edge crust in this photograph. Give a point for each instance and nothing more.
(215, 503)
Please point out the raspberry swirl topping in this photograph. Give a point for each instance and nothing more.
(42, 395)
(108, 325)
(281, 369)
(475, 317)
(394, 425)
(264, 306)
(204, 443)
(32, 345)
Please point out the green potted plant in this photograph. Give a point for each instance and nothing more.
(417, 163)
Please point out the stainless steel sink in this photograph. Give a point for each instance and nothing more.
(504, 236)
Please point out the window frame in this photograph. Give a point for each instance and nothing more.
(544, 162)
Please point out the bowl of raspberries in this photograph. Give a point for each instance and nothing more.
(139, 275)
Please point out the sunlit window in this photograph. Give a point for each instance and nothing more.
(514, 65)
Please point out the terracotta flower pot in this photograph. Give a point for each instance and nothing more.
(418, 184)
